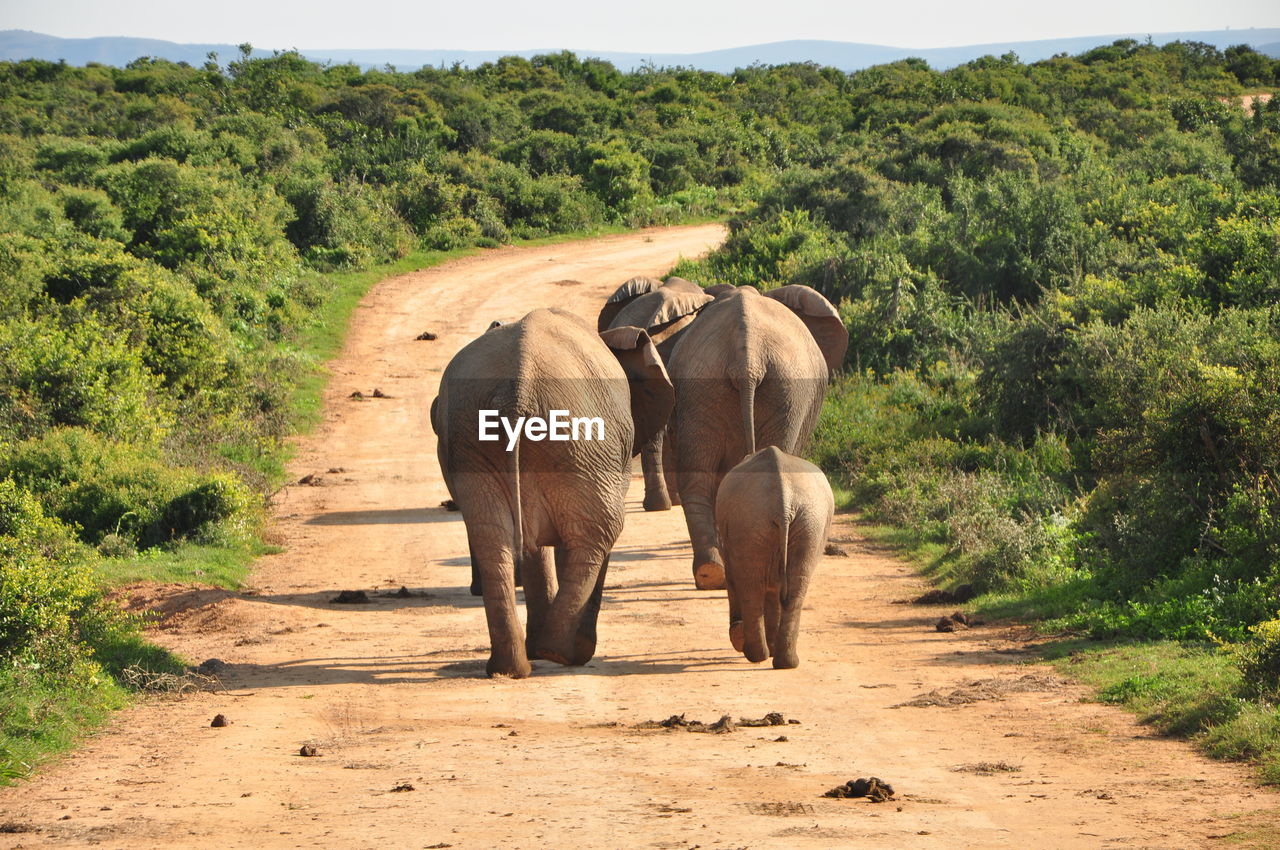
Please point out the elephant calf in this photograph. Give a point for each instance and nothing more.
(773, 514)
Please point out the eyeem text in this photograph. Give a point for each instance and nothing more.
(558, 426)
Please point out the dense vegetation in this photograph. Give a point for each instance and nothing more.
(1063, 382)
(1059, 280)
(173, 239)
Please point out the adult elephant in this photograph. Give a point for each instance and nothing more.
(529, 498)
(665, 313)
(748, 373)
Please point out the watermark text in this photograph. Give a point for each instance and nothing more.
(558, 426)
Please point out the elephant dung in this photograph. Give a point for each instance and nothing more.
(678, 721)
(874, 789)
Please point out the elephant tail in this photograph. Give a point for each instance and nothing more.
(517, 511)
(784, 533)
(747, 397)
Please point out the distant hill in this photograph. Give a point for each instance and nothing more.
(848, 56)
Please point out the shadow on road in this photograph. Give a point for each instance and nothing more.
(450, 664)
(386, 517)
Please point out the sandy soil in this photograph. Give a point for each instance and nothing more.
(416, 748)
(1247, 101)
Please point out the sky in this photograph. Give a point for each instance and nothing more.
(668, 26)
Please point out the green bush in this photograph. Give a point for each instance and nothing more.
(344, 225)
(105, 488)
(1259, 660)
(80, 374)
(51, 609)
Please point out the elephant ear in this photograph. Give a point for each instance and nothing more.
(621, 297)
(681, 285)
(820, 317)
(719, 289)
(661, 308)
(652, 396)
(677, 305)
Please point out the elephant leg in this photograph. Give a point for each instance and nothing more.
(584, 642)
(477, 583)
(736, 635)
(669, 465)
(772, 616)
(581, 573)
(539, 589)
(490, 543)
(754, 642)
(655, 487)
(698, 492)
(797, 575)
(507, 655)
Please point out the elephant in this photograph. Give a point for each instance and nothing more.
(665, 313)
(748, 373)
(773, 515)
(527, 495)
(633, 289)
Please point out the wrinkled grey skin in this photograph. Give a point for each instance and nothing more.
(820, 317)
(664, 313)
(621, 297)
(565, 496)
(633, 289)
(773, 515)
(747, 374)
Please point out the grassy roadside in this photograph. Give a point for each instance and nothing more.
(48, 703)
(1187, 690)
(46, 706)
(316, 343)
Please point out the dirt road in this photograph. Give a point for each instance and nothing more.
(416, 748)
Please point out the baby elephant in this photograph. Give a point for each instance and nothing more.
(773, 514)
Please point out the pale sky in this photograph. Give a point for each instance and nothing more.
(676, 26)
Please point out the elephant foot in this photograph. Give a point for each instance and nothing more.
(709, 576)
(581, 650)
(737, 636)
(657, 503)
(516, 668)
(584, 648)
(786, 661)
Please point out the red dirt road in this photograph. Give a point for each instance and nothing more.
(418, 749)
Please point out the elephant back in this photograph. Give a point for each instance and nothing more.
(679, 284)
(739, 328)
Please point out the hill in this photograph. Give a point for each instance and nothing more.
(847, 56)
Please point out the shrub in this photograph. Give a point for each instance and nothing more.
(344, 225)
(107, 488)
(1259, 660)
(74, 160)
(50, 605)
(83, 375)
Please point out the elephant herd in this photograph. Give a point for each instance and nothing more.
(717, 390)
